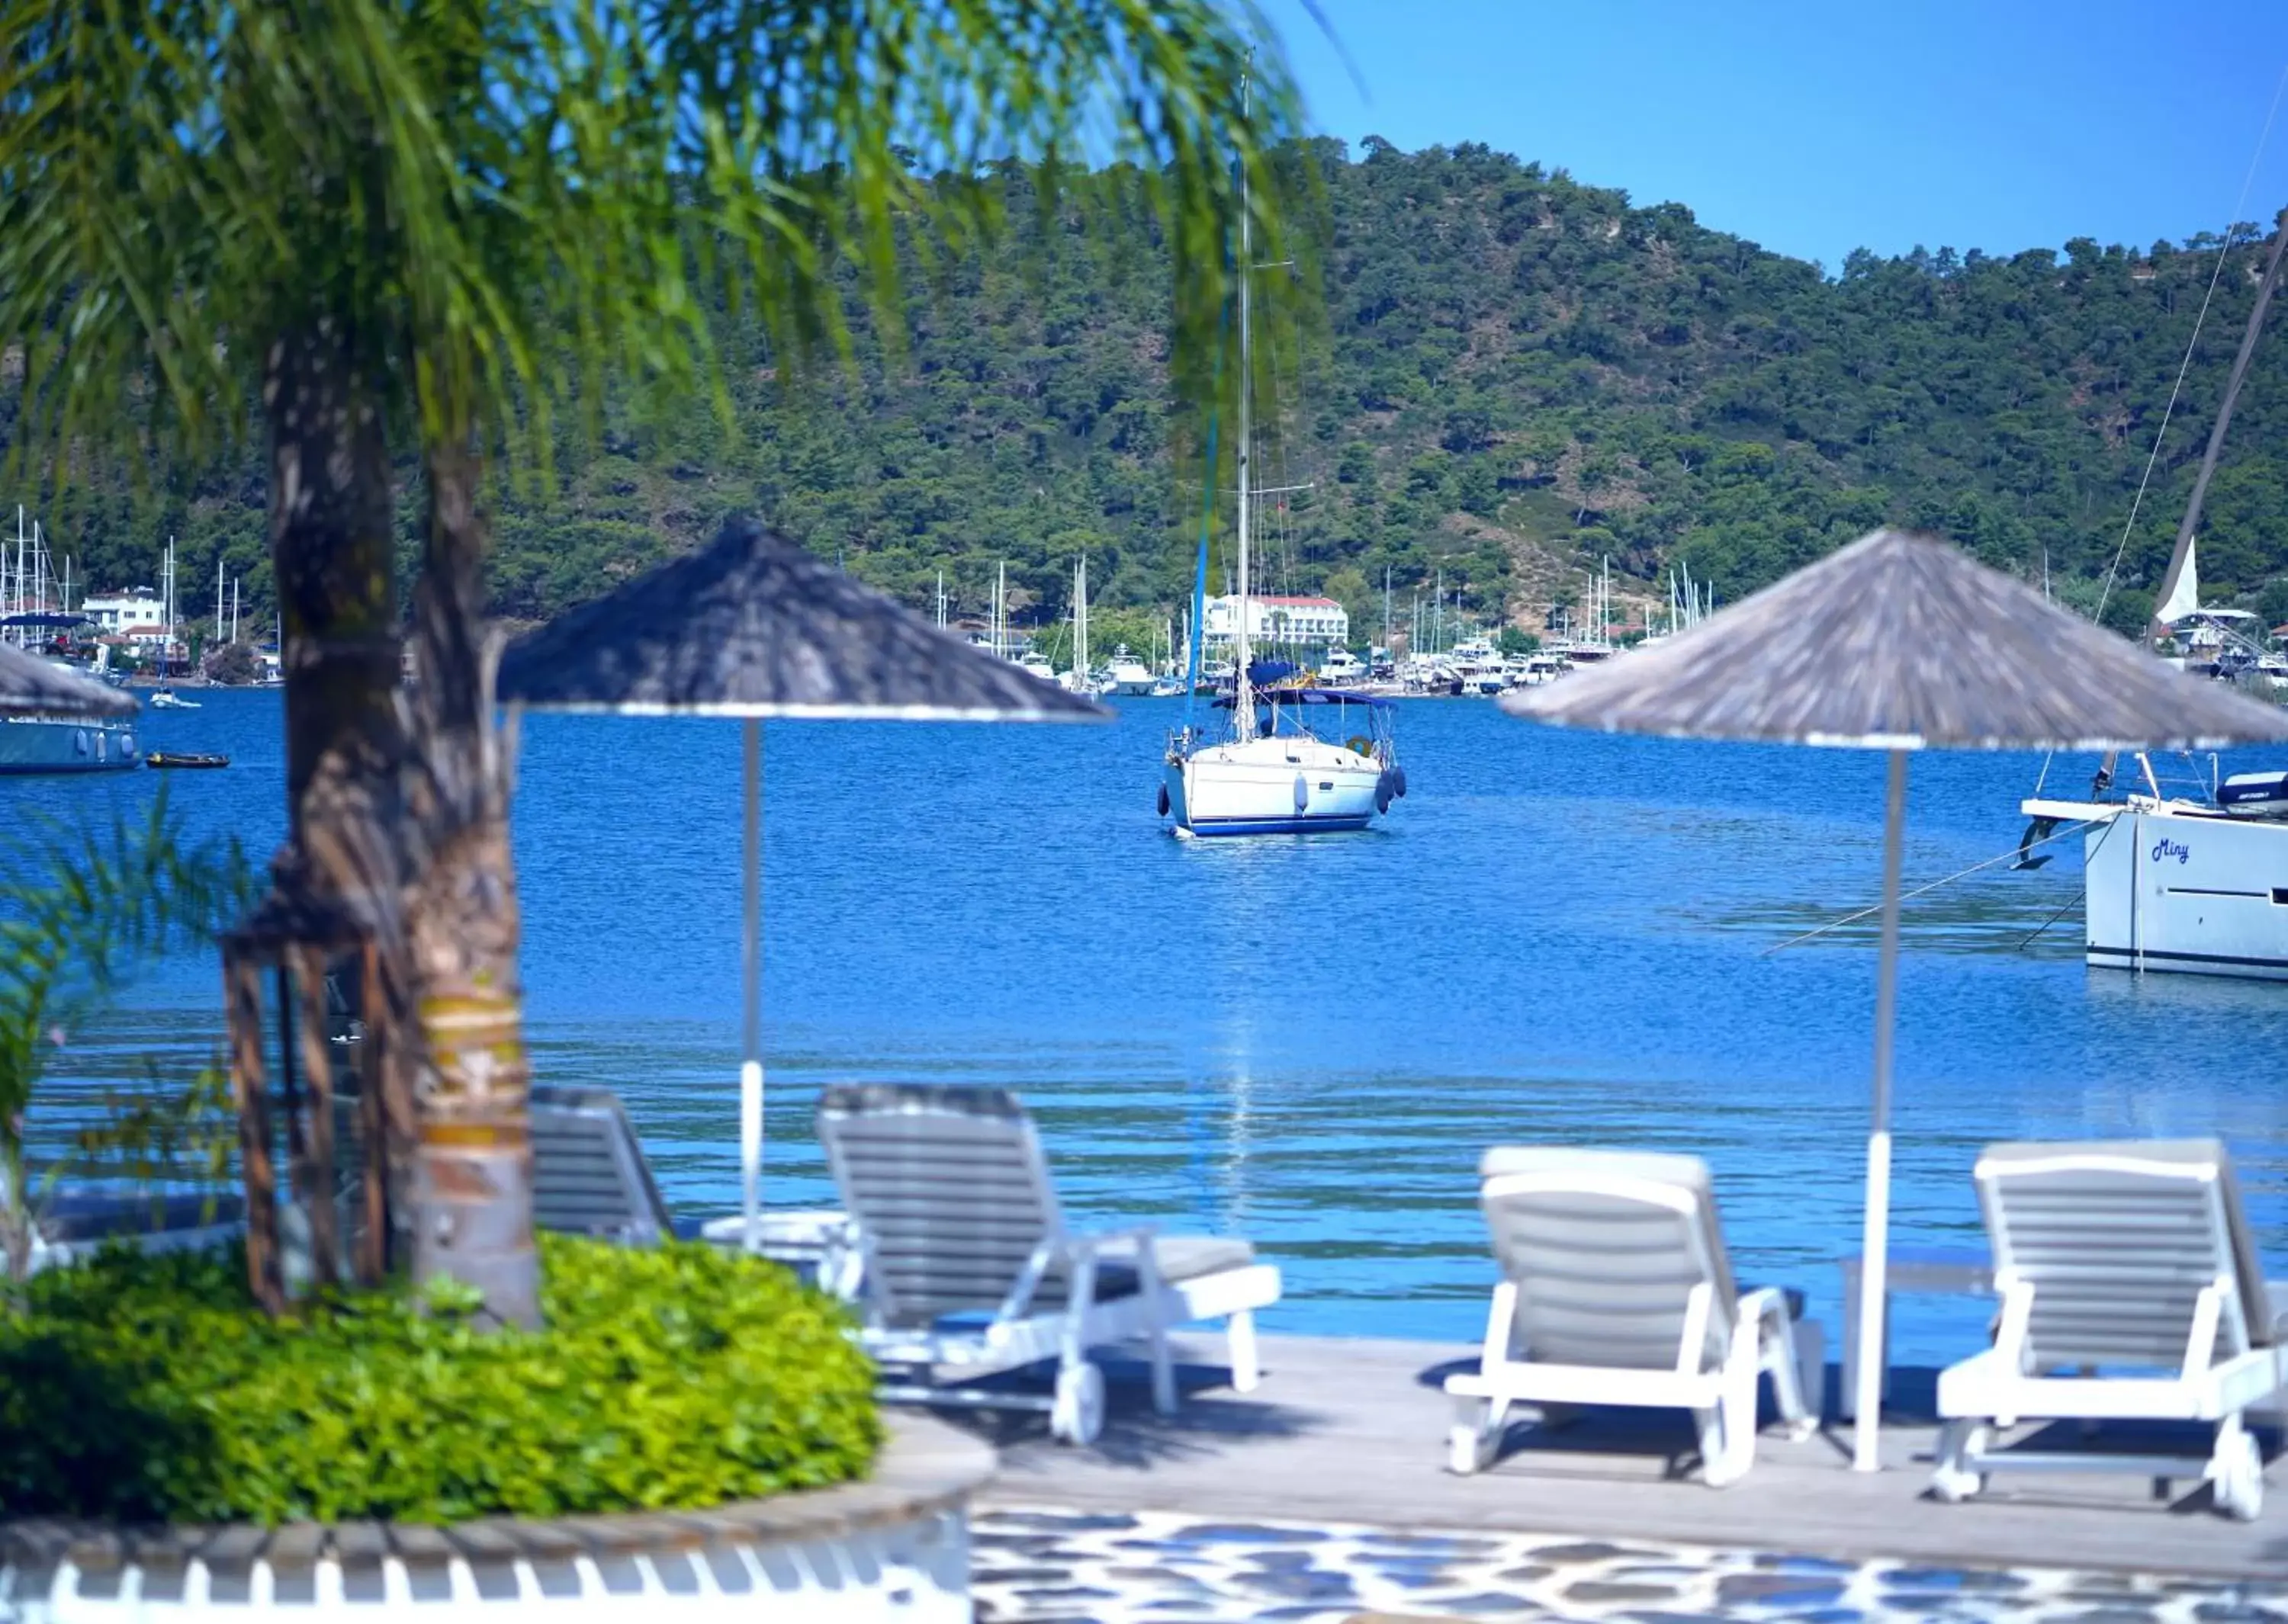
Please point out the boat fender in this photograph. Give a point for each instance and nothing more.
(1382, 794)
(1164, 800)
(80, 740)
(1398, 781)
(1302, 793)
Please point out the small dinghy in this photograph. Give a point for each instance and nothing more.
(184, 758)
(2254, 794)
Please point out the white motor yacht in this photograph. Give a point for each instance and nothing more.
(1127, 677)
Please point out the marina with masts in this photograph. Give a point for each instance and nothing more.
(32, 741)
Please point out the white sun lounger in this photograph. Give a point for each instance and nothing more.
(1616, 1289)
(78, 1220)
(2130, 1289)
(969, 1271)
(590, 1176)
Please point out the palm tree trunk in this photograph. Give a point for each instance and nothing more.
(330, 521)
(15, 1208)
(473, 1159)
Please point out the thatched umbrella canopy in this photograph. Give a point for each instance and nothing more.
(752, 626)
(1899, 642)
(30, 686)
(1902, 641)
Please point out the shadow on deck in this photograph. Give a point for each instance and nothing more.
(1353, 1430)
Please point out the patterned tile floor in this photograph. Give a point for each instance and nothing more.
(1035, 1567)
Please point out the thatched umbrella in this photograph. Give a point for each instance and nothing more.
(751, 626)
(29, 685)
(1898, 642)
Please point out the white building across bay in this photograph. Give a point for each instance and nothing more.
(139, 617)
(1316, 622)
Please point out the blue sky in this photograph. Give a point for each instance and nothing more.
(1815, 128)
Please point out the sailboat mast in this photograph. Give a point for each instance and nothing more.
(1243, 710)
(2178, 555)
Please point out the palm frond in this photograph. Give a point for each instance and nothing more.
(469, 184)
(82, 908)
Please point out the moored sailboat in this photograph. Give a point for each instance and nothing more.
(2192, 884)
(1273, 775)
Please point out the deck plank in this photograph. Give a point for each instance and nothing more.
(1353, 1430)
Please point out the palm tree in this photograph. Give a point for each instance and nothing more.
(370, 227)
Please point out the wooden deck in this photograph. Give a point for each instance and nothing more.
(1354, 1430)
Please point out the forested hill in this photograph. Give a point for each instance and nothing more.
(1514, 373)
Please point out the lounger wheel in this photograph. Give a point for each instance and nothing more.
(2238, 1480)
(1077, 1416)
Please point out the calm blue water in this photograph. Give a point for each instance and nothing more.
(1557, 937)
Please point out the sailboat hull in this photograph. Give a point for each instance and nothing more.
(2188, 895)
(1279, 786)
(66, 744)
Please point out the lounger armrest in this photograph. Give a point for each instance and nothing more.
(1119, 1243)
(1078, 1252)
(1133, 1240)
(1107, 1241)
(1763, 1300)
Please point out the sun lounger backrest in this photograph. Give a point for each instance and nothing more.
(589, 1174)
(1606, 1248)
(949, 1188)
(2117, 1240)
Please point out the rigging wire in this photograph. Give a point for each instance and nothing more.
(2216, 273)
(2015, 851)
(2079, 896)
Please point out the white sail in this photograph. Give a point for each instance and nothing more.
(2185, 598)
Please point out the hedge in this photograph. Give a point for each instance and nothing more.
(142, 1387)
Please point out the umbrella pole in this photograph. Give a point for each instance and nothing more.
(1875, 1257)
(750, 1067)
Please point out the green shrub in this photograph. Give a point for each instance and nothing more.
(148, 1387)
